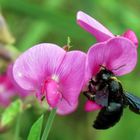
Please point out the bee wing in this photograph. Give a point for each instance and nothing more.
(101, 97)
(133, 102)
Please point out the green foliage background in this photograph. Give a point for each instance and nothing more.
(35, 21)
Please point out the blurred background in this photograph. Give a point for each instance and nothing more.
(29, 22)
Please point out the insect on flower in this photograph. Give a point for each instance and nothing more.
(105, 61)
(52, 73)
(110, 94)
(112, 56)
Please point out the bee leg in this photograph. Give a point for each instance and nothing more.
(91, 88)
(89, 95)
(92, 82)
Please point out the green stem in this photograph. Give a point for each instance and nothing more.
(48, 125)
(17, 129)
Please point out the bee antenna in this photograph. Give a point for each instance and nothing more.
(119, 67)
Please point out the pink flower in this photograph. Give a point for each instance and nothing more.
(9, 89)
(53, 73)
(91, 106)
(100, 32)
(117, 54)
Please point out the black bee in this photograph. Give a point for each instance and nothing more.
(107, 91)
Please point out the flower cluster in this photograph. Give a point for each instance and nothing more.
(59, 76)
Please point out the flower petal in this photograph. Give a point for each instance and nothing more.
(94, 27)
(7, 90)
(117, 54)
(64, 108)
(36, 63)
(4, 101)
(71, 73)
(71, 78)
(91, 106)
(53, 96)
(132, 36)
(127, 60)
(17, 89)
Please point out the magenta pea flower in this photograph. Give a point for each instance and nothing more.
(53, 73)
(120, 58)
(100, 32)
(118, 54)
(9, 89)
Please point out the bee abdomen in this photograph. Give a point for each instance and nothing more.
(107, 118)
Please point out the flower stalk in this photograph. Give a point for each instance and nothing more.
(17, 128)
(48, 125)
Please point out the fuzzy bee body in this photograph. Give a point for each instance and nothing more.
(108, 92)
(108, 117)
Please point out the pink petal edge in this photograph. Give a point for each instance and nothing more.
(65, 108)
(91, 106)
(91, 25)
(132, 36)
(71, 78)
(71, 73)
(37, 63)
(118, 54)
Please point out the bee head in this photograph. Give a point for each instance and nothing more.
(104, 74)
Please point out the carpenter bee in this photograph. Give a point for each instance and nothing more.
(107, 91)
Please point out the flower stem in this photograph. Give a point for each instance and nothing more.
(17, 128)
(48, 125)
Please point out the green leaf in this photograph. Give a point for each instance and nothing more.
(35, 130)
(11, 112)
